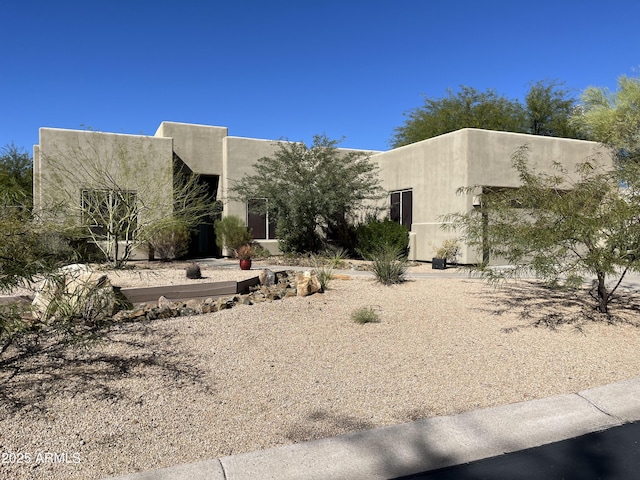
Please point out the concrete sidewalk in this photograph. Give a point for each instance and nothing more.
(423, 445)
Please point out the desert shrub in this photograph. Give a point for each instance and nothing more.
(169, 239)
(389, 265)
(323, 269)
(449, 250)
(232, 233)
(259, 251)
(365, 315)
(29, 248)
(334, 256)
(245, 252)
(375, 234)
(325, 275)
(343, 235)
(311, 190)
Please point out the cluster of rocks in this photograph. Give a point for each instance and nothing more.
(273, 286)
(77, 291)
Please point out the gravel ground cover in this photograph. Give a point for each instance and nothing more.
(155, 394)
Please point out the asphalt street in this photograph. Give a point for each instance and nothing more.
(612, 454)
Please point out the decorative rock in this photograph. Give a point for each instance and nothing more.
(340, 276)
(224, 303)
(187, 312)
(79, 292)
(284, 286)
(307, 283)
(165, 302)
(245, 300)
(167, 312)
(267, 277)
(135, 314)
(193, 271)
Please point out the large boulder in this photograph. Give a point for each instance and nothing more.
(307, 283)
(75, 292)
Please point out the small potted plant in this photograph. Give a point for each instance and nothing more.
(244, 254)
(447, 252)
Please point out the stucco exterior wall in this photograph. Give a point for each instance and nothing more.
(490, 153)
(436, 168)
(490, 162)
(433, 169)
(68, 161)
(239, 156)
(200, 147)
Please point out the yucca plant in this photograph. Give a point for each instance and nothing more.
(389, 265)
(324, 271)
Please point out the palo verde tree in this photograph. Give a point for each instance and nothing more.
(29, 246)
(116, 193)
(613, 118)
(16, 172)
(310, 190)
(467, 108)
(549, 108)
(565, 226)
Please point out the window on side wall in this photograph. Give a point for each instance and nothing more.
(260, 224)
(402, 207)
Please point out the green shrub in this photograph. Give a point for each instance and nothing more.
(389, 265)
(375, 234)
(169, 239)
(365, 315)
(231, 232)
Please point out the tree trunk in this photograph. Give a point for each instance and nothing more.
(603, 295)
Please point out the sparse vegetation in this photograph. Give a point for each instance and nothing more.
(169, 239)
(106, 191)
(449, 250)
(569, 225)
(389, 265)
(245, 252)
(325, 275)
(365, 315)
(335, 257)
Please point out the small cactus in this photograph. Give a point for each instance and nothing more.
(193, 271)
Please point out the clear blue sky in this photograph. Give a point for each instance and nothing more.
(291, 68)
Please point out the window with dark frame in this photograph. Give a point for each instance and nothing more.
(402, 207)
(260, 224)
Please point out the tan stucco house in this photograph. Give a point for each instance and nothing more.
(421, 179)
